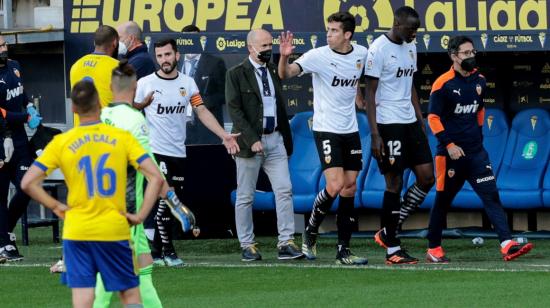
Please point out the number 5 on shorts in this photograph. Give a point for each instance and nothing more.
(326, 147)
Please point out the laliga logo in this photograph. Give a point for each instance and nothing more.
(542, 39)
(313, 40)
(203, 40)
(147, 40)
(426, 39)
(445, 41)
(484, 39)
(222, 43)
(370, 39)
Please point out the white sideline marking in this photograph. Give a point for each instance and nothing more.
(418, 267)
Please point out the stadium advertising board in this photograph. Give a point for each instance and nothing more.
(514, 25)
(496, 25)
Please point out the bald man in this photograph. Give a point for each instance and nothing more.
(131, 47)
(265, 142)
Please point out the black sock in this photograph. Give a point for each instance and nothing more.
(390, 217)
(413, 198)
(345, 220)
(321, 206)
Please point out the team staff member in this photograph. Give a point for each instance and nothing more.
(17, 157)
(398, 140)
(266, 143)
(94, 158)
(456, 116)
(131, 47)
(336, 69)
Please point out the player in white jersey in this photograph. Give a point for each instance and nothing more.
(335, 70)
(166, 117)
(397, 131)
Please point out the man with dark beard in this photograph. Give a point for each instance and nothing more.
(166, 117)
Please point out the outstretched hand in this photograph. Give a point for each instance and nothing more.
(146, 102)
(286, 48)
(230, 143)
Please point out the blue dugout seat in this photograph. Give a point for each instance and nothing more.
(364, 133)
(304, 165)
(304, 168)
(525, 159)
(495, 136)
(546, 188)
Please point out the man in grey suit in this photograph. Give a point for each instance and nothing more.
(254, 96)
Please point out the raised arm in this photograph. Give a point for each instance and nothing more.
(287, 70)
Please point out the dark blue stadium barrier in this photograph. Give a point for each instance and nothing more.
(525, 159)
(495, 136)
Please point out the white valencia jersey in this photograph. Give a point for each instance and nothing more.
(335, 79)
(393, 65)
(166, 116)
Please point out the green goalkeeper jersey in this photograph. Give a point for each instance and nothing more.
(123, 116)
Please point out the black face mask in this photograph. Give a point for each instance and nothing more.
(468, 64)
(3, 58)
(264, 56)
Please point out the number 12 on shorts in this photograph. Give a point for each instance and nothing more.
(394, 147)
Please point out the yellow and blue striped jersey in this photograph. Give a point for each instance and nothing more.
(98, 68)
(94, 160)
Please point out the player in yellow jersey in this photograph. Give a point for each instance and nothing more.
(98, 66)
(94, 158)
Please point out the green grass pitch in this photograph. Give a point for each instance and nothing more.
(215, 277)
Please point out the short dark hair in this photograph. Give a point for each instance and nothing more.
(165, 42)
(123, 75)
(347, 20)
(456, 41)
(190, 28)
(84, 96)
(405, 12)
(105, 35)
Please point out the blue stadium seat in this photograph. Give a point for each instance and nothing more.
(495, 135)
(525, 159)
(263, 200)
(364, 133)
(546, 188)
(304, 165)
(430, 198)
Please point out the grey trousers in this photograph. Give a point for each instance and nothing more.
(274, 162)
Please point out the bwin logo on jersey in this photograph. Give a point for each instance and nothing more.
(15, 92)
(170, 109)
(467, 108)
(405, 72)
(344, 82)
